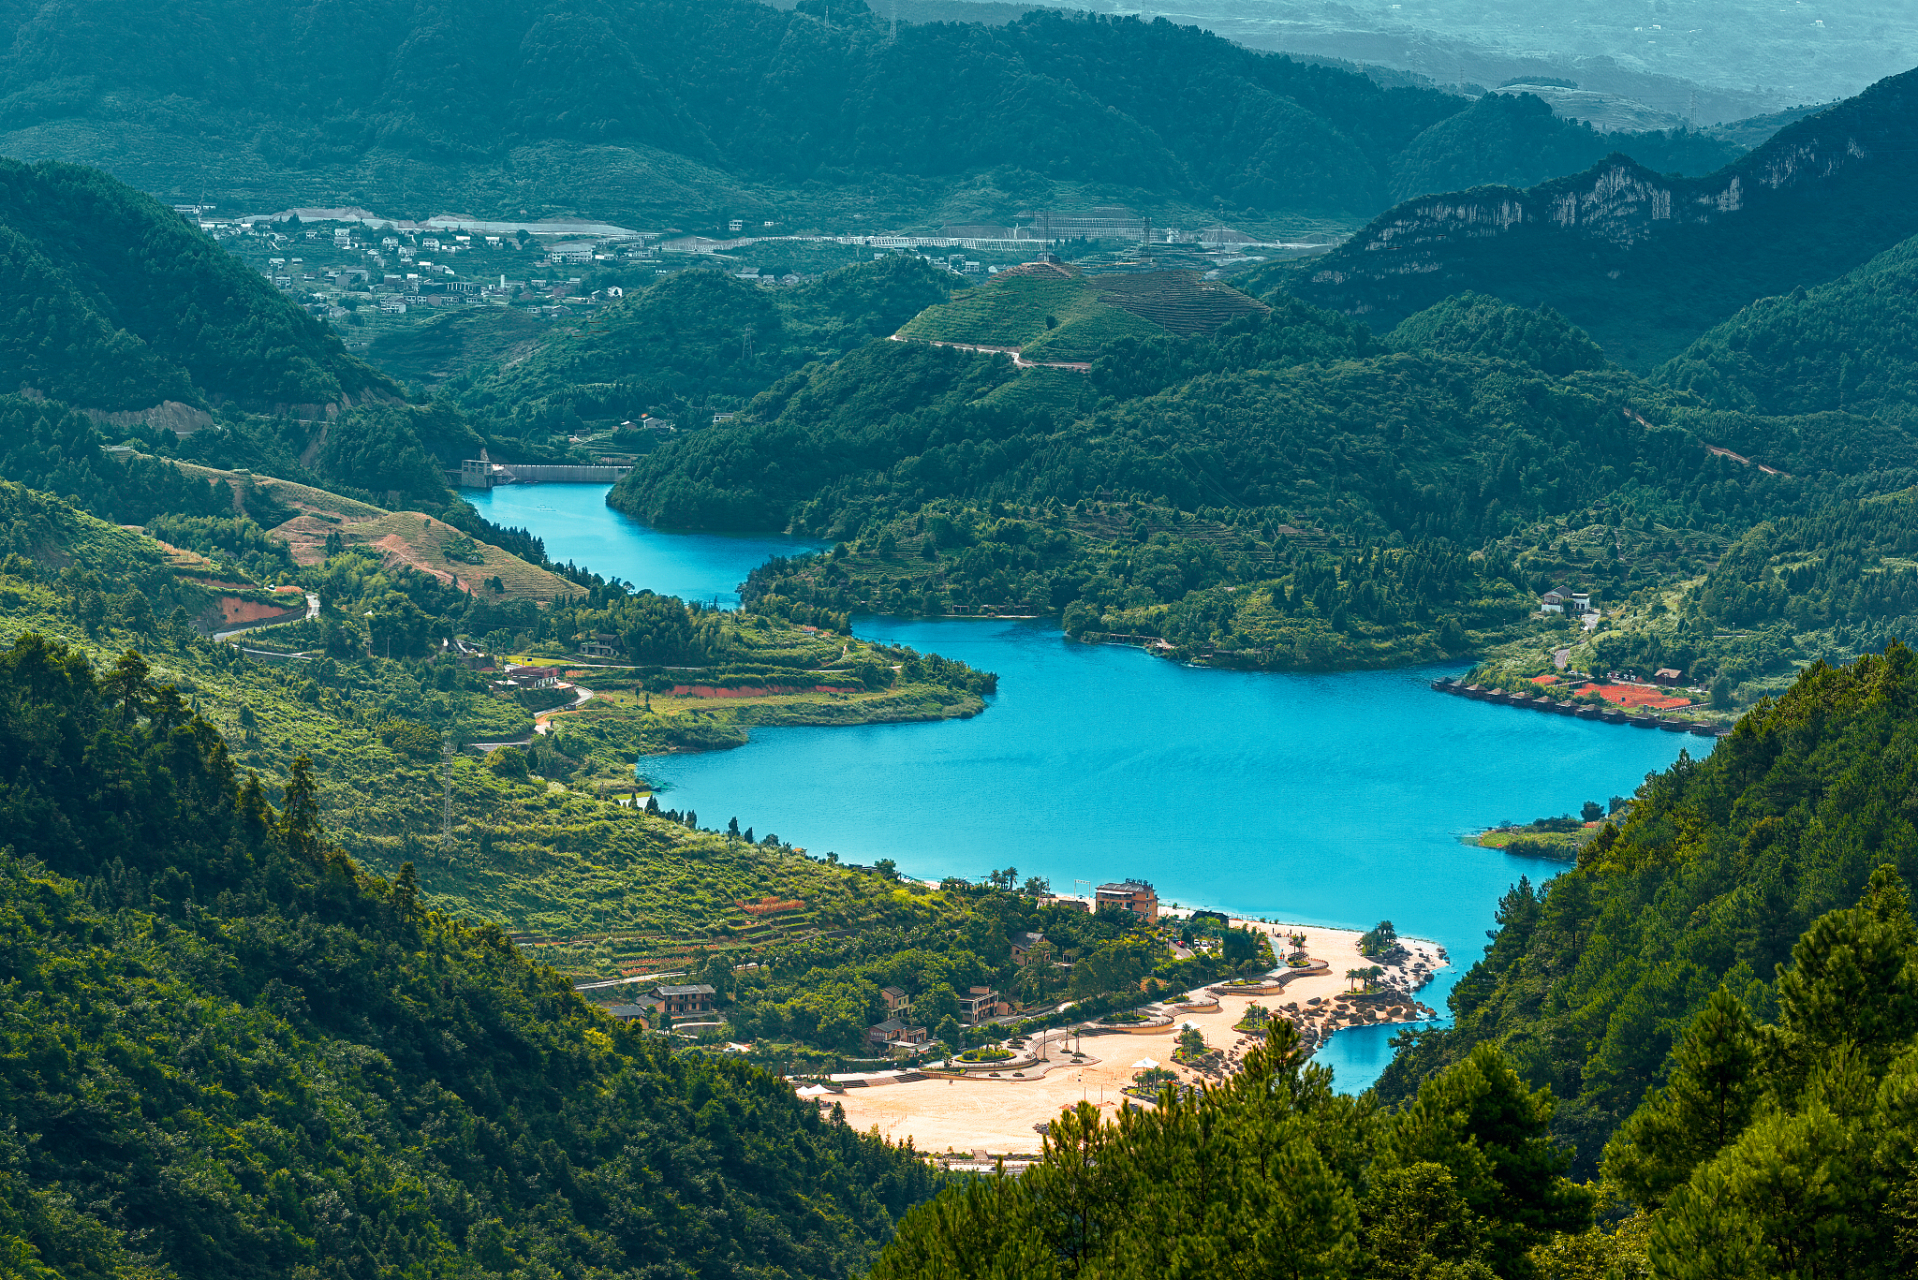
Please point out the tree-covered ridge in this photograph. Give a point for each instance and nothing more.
(1718, 868)
(114, 302)
(1643, 262)
(1280, 492)
(1850, 345)
(1476, 325)
(647, 105)
(238, 1055)
(1514, 140)
(1270, 1174)
(694, 342)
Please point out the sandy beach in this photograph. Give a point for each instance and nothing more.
(998, 1116)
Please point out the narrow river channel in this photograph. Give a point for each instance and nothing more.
(1322, 799)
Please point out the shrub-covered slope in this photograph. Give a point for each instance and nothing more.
(230, 1053)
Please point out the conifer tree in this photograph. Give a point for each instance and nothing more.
(1709, 1100)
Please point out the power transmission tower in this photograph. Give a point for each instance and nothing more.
(895, 22)
(446, 796)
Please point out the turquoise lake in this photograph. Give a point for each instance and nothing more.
(1318, 799)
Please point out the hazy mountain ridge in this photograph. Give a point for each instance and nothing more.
(650, 108)
(1644, 262)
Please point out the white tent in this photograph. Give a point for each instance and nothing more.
(1145, 1064)
(813, 1090)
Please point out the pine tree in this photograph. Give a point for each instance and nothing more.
(299, 825)
(1713, 1091)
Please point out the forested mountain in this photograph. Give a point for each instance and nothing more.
(232, 1053)
(667, 108)
(1643, 262)
(694, 342)
(1720, 865)
(1386, 500)
(1514, 140)
(110, 301)
(1848, 345)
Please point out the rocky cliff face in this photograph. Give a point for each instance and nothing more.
(1645, 261)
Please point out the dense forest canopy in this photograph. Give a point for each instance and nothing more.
(239, 1055)
(646, 105)
(1287, 490)
(1849, 345)
(112, 301)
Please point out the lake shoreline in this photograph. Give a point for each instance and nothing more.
(1330, 798)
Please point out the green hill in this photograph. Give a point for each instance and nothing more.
(644, 110)
(307, 1069)
(1288, 491)
(692, 342)
(1850, 345)
(1051, 312)
(1643, 262)
(114, 303)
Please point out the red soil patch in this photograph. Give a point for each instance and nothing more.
(752, 691)
(1544, 679)
(1626, 695)
(232, 610)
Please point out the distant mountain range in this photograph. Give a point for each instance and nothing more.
(1644, 262)
(700, 112)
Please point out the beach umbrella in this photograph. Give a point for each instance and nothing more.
(1144, 1064)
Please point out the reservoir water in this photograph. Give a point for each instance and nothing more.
(1318, 799)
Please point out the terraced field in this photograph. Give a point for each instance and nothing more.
(1055, 313)
(1179, 302)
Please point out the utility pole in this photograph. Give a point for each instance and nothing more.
(446, 796)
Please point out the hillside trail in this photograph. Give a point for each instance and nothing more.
(1017, 359)
(542, 721)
